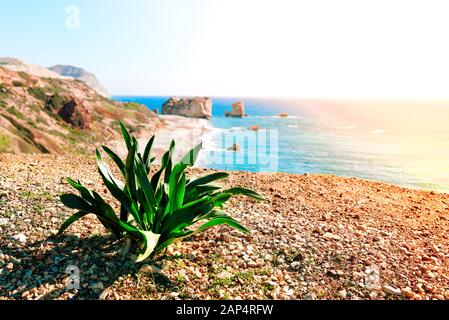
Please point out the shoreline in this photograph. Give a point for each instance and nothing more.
(316, 237)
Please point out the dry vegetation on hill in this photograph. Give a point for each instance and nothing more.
(60, 116)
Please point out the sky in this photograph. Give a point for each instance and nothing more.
(257, 48)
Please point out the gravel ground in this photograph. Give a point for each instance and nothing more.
(317, 237)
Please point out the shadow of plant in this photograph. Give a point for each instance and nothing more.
(45, 265)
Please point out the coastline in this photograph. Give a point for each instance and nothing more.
(317, 237)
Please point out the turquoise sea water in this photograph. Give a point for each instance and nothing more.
(399, 142)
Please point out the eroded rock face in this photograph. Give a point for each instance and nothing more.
(75, 113)
(238, 110)
(193, 107)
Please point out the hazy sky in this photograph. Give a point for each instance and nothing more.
(315, 48)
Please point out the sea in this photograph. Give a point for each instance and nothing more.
(398, 141)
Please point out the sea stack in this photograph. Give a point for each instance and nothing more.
(238, 110)
(192, 107)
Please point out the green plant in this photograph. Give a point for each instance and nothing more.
(54, 102)
(5, 143)
(16, 83)
(38, 93)
(12, 110)
(155, 211)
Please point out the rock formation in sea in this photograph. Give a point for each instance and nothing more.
(78, 73)
(238, 110)
(283, 115)
(193, 107)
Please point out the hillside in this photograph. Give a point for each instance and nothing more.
(61, 115)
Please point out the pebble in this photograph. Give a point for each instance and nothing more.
(3, 221)
(150, 269)
(407, 292)
(295, 265)
(19, 237)
(342, 293)
(332, 236)
(252, 264)
(391, 290)
(310, 296)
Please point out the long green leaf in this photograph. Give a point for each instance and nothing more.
(147, 153)
(71, 220)
(207, 179)
(116, 159)
(75, 202)
(222, 220)
(245, 192)
(190, 158)
(126, 135)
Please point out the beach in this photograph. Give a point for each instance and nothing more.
(187, 133)
(316, 237)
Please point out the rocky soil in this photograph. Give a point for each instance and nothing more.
(317, 237)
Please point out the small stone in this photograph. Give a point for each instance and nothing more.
(310, 296)
(332, 236)
(391, 290)
(19, 237)
(280, 260)
(3, 221)
(342, 294)
(295, 265)
(407, 292)
(10, 266)
(252, 264)
(150, 269)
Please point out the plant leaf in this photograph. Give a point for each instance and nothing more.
(190, 158)
(126, 135)
(116, 159)
(150, 241)
(75, 202)
(245, 192)
(71, 220)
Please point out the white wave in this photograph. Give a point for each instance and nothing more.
(236, 128)
(292, 126)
